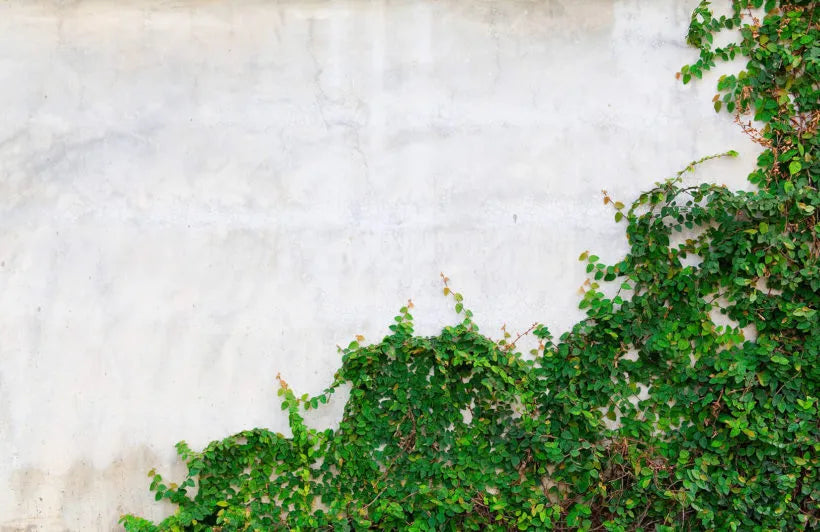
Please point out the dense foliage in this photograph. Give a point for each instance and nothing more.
(460, 432)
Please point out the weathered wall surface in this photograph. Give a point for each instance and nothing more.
(195, 195)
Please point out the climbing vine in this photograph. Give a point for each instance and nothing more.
(687, 399)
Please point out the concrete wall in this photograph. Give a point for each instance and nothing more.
(195, 195)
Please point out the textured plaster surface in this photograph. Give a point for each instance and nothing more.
(195, 195)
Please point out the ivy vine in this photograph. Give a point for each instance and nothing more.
(461, 432)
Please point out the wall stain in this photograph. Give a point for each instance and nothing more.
(84, 495)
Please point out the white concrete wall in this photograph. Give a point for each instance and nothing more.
(195, 195)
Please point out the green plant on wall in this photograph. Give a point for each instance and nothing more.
(460, 432)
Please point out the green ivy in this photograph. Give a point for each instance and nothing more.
(461, 432)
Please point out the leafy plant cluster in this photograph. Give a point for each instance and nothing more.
(461, 432)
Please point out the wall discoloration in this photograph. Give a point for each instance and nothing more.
(540, 18)
(196, 195)
(85, 497)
